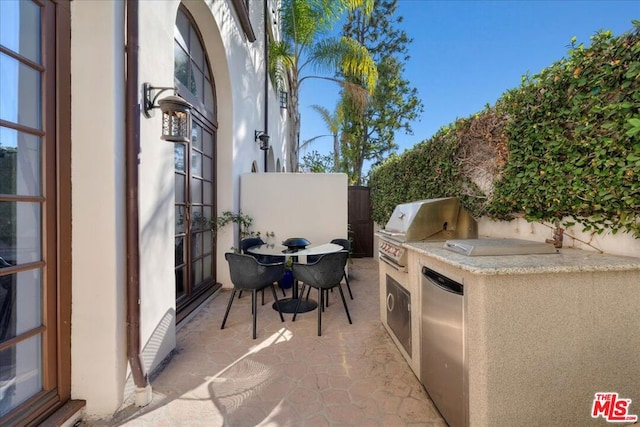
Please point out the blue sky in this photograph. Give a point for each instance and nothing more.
(465, 54)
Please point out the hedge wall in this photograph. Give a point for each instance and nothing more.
(566, 143)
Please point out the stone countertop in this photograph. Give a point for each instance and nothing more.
(567, 260)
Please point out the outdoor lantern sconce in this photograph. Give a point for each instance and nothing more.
(262, 138)
(283, 99)
(176, 113)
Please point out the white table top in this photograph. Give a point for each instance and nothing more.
(281, 250)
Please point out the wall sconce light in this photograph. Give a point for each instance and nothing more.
(283, 99)
(176, 113)
(262, 138)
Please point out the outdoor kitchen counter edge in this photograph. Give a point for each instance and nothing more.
(567, 260)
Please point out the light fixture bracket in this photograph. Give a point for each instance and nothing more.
(149, 103)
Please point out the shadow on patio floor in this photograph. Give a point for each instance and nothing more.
(288, 376)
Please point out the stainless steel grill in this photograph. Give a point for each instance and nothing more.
(430, 219)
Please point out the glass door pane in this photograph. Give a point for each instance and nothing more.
(181, 218)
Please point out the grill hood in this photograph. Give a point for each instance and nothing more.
(433, 219)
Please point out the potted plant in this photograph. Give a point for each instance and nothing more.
(227, 217)
(287, 280)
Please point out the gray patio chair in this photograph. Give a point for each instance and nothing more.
(346, 245)
(248, 274)
(324, 274)
(250, 242)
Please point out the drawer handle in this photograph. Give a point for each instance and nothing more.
(390, 302)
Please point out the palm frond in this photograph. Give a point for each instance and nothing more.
(339, 6)
(326, 55)
(365, 5)
(310, 140)
(358, 62)
(324, 114)
(281, 60)
(356, 95)
(347, 55)
(332, 121)
(303, 20)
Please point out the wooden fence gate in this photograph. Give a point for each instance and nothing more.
(359, 218)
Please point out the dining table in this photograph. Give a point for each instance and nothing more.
(288, 305)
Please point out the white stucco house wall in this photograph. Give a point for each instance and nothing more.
(99, 36)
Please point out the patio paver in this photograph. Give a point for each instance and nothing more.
(351, 375)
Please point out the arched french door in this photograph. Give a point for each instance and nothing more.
(195, 174)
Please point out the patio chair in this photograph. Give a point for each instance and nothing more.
(248, 274)
(324, 274)
(250, 242)
(313, 258)
(347, 247)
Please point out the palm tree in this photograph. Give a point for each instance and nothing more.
(334, 123)
(306, 45)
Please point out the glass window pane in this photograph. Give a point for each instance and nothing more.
(181, 279)
(197, 86)
(179, 251)
(181, 30)
(178, 157)
(196, 218)
(196, 49)
(196, 190)
(179, 188)
(207, 239)
(20, 232)
(193, 87)
(207, 164)
(207, 215)
(20, 303)
(196, 163)
(180, 210)
(207, 143)
(20, 373)
(181, 65)
(196, 270)
(208, 96)
(20, 93)
(206, 266)
(197, 245)
(196, 136)
(207, 192)
(20, 24)
(19, 163)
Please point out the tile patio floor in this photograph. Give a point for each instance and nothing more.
(351, 375)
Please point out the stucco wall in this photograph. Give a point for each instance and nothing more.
(616, 244)
(98, 353)
(156, 193)
(313, 206)
(100, 373)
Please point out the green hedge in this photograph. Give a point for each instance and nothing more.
(566, 143)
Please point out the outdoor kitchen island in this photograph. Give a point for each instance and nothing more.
(541, 334)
